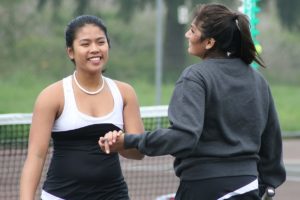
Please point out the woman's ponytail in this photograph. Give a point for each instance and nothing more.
(231, 30)
(248, 52)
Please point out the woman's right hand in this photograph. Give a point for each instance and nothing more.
(113, 141)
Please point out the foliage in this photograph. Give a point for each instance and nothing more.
(289, 15)
(81, 7)
(127, 8)
(279, 53)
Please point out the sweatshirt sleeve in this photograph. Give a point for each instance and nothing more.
(271, 168)
(186, 115)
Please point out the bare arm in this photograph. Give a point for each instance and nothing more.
(132, 118)
(45, 111)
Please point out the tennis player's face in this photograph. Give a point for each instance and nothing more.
(90, 48)
(197, 47)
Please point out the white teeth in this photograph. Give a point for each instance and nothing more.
(95, 59)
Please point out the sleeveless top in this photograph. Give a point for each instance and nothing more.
(72, 118)
(79, 169)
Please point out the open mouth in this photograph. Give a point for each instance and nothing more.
(95, 59)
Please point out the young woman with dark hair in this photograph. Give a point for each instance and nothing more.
(224, 131)
(75, 112)
(230, 32)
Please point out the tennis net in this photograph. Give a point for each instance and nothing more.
(147, 179)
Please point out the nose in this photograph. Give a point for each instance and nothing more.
(95, 47)
(187, 34)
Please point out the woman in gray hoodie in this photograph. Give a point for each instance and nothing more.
(224, 131)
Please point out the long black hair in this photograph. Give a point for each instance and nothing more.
(230, 30)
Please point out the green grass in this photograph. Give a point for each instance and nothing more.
(19, 97)
(287, 102)
(19, 93)
(147, 95)
(16, 99)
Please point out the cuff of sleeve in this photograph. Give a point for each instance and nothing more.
(131, 140)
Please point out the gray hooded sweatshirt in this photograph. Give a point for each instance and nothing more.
(223, 122)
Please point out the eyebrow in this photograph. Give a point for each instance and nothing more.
(193, 26)
(87, 39)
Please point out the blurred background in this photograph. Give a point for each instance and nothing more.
(143, 35)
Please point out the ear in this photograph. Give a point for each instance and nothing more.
(70, 53)
(210, 42)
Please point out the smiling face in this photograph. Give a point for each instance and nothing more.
(197, 45)
(90, 48)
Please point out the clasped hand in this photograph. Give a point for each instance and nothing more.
(112, 141)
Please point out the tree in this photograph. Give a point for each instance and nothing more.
(173, 47)
(9, 35)
(55, 5)
(81, 7)
(173, 50)
(289, 14)
(128, 7)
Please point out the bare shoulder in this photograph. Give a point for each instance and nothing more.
(46, 110)
(52, 96)
(127, 91)
(52, 91)
(125, 88)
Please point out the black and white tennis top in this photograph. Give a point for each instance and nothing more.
(79, 169)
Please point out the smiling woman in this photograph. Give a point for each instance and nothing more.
(75, 112)
(224, 131)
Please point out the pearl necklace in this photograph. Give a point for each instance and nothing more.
(86, 91)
